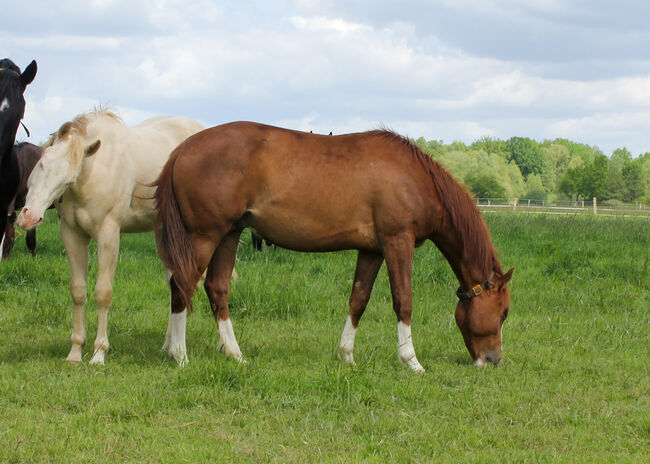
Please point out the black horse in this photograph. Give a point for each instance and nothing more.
(12, 109)
(27, 155)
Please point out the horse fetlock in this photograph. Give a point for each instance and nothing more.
(78, 339)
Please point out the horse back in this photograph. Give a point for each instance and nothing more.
(302, 191)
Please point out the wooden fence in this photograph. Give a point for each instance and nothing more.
(563, 207)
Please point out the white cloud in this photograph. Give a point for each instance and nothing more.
(444, 70)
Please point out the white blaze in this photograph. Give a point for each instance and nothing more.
(4, 105)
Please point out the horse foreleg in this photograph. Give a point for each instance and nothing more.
(30, 239)
(217, 287)
(108, 247)
(364, 277)
(398, 251)
(76, 248)
(9, 237)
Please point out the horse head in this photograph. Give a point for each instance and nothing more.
(480, 314)
(12, 101)
(60, 166)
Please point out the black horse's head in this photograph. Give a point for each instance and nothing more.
(12, 102)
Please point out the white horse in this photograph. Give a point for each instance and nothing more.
(100, 168)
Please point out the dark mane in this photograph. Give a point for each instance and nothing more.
(463, 213)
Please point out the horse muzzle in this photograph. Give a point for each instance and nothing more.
(27, 220)
(493, 358)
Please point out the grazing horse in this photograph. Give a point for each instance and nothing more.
(102, 169)
(27, 155)
(375, 192)
(12, 109)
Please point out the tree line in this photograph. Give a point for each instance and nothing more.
(558, 169)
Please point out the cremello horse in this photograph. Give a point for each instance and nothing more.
(102, 169)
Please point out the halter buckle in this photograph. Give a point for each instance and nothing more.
(477, 289)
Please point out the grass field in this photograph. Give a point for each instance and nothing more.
(574, 385)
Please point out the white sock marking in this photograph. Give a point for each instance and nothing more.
(346, 345)
(406, 351)
(228, 340)
(177, 348)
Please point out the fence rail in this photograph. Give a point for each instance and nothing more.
(563, 207)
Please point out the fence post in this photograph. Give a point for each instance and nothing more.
(595, 206)
(514, 204)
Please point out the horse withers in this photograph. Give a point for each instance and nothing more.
(12, 109)
(375, 192)
(102, 170)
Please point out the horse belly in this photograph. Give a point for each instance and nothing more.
(314, 229)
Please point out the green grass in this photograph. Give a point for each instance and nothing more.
(573, 386)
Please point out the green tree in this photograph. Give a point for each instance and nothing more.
(484, 186)
(527, 154)
(632, 173)
(571, 181)
(594, 179)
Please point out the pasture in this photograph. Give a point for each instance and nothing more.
(573, 386)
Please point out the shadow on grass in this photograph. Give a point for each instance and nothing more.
(134, 347)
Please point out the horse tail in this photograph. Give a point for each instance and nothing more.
(174, 244)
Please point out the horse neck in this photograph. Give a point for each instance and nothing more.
(468, 270)
(7, 156)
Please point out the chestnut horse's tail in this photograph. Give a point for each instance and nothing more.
(174, 244)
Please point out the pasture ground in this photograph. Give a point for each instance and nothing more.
(573, 385)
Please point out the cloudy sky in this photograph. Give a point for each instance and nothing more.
(443, 69)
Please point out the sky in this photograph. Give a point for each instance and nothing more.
(450, 70)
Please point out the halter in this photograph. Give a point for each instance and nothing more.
(476, 290)
(9, 69)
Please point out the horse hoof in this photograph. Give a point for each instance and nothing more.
(98, 358)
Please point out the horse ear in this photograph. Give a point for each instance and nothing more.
(93, 147)
(28, 75)
(506, 278)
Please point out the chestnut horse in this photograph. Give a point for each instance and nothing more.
(375, 192)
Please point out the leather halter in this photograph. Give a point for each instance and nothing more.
(476, 290)
(9, 69)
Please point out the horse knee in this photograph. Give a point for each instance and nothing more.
(103, 297)
(78, 293)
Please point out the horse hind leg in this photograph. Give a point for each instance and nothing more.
(217, 287)
(175, 342)
(398, 252)
(364, 277)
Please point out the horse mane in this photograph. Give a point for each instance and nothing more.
(79, 125)
(464, 215)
